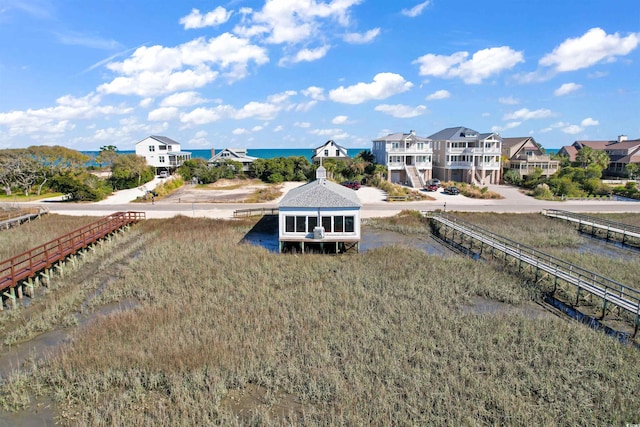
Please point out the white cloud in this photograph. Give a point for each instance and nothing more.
(278, 128)
(415, 10)
(335, 134)
(182, 99)
(509, 125)
(589, 122)
(482, 65)
(526, 114)
(146, 103)
(163, 114)
(155, 70)
(303, 125)
(340, 120)
(286, 21)
(259, 110)
(383, 86)
(195, 19)
(401, 111)
(439, 94)
(306, 55)
(566, 88)
(592, 47)
(57, 119)
(357, 38)
(257, 128)
(572, 129)
(201, 116)
(314, 92)
(509, 100)
(239, 131)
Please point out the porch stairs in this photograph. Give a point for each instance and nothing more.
(414, 176)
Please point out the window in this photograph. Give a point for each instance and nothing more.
(337, 153)
(300, 224)
(420, 145)
(152, 148)
(312, 222)
(326, 224)
(326, 153)
(169, 147)
(289, 224)
(338, 224)
(349, 224)
(161, 159)
(162, 147)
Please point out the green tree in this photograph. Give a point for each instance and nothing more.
(129, 171)
(107, 155)
(512, 176)
(633, 170)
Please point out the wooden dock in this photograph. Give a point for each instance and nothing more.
(610, 230)
(27, 265)
(484, 243)
(16, 217)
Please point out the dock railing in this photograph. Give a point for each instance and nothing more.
(255, 212)
(13, 217)
(611, 228)
(27, 264)
(610, 291)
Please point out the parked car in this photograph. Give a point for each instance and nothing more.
(164, 174)
(435, 181)
(431, 187)
(354, 185)
(452, 190)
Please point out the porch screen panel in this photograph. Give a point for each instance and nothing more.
(289, 222)
(326, 224)
(300, 224)
(338, 224)
(349, 224)
(312, 222)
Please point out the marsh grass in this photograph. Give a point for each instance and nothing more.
(34, 233)
(376, 338)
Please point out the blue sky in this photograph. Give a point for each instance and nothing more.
(296, 73)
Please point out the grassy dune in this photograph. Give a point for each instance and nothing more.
(227, 333)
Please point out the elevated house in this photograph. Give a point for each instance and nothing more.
(525, 155)
(329, 150)
(407, 156)
(163, 153)
(621, 152)
(320, 216)
(464, 155)
(235, 154)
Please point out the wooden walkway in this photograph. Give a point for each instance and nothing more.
(255, 212)
(487, 243)
(27, 264)
(611, 230)
(12, 218)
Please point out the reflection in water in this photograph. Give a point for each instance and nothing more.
(371, 239)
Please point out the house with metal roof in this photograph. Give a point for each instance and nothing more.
(319, 217)
(464, 155)
(329, 150)
(525, 155)
(163, 153)
(408, 158)
(235, 154)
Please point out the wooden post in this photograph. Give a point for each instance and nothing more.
(604, 304)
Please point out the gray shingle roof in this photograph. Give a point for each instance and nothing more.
(453, 134)
(321, 194)
(164, 140)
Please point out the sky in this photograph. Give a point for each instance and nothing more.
(296, 73)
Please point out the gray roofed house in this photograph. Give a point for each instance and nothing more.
(464, 155)
(163, 153)
(320, 216)
(234, 154)
(407, 156)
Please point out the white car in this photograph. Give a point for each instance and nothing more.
(164, 174)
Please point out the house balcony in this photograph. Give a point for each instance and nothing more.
(458, 165)
(488, 165)
(411, 150)
(475, 151)
(401, 165)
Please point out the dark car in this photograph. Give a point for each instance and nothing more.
(432, 187)
(354, 185)
(452, 191)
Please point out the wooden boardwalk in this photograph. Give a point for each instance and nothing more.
(488, 243)
(611, 230)
(29, 263)
(13, 218)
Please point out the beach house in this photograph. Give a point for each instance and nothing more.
(319, 217)
(235, 154)
(525, 155)
(407, 156)
(465, 155)
(163, 153)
